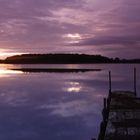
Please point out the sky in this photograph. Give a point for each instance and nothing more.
(107, 27)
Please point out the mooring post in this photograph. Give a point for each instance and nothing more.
(135, 82)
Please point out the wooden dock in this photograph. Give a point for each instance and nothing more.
(121, 115)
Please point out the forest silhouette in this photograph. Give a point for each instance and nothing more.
(64, 59)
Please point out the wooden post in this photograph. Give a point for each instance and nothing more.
(135, 82)
(110, 86)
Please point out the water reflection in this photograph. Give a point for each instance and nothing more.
(68, 109)
(38, 106)
(8, 73)
(72, 87)
(5, 70)
(13, 98)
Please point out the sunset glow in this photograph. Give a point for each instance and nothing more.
(74, 36)
(6, 53)
(7, 73)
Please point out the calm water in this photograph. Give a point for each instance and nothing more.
(57, 106)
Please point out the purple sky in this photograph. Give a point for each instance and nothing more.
(107, 27)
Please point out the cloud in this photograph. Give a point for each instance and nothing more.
(110, 40)
(38, 26)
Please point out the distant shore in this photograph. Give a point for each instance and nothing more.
(64, 59)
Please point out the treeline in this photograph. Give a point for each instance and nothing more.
(63, 59)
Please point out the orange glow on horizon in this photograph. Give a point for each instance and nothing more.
(7, 53)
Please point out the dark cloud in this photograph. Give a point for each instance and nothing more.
(110, 40)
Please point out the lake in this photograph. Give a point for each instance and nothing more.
(57, 106)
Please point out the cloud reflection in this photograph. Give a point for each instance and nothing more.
(72, 87)
(69, 108)
(13, 98)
